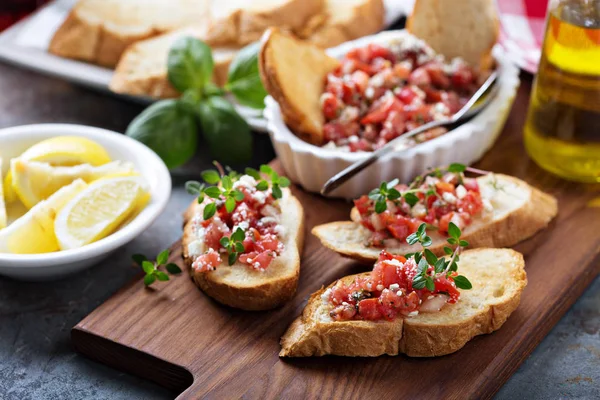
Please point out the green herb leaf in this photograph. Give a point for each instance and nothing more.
(200, 198)
(393, 194)
(189, 64)
(453, 267)
(173, 268)
(167, 128)
(149, 280)
(227, 183)
(452, 241)
(239, 235)
(244, 78)
(139, 259)
(411, 199)
(162, 276)
(429, 284)
(230, 204)
(426, 242)
(209, 210)
(392, 183)
(213, 192)
(237, 195)
(440, 265)
(412, 239)
(380, 206)
(284, 182)
(462, 282)
(239, 247)
(193, 187)
(448, 250)
(455, 167)
(224, 241)
(463, 243)
(148, 267)
(419, 282)
(227, 133)
(253, 173)
(265, 169)
(453, 230)
(262, 185)
(422, 266)
(430, 257)
(232, 258)
(162, 257)
(277, 193)
(421, 229)
(211, 177)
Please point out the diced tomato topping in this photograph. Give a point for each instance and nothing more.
(437, 75)
(445, 285)
(471, 203)
(444, 187)
(361, 79)
(212, 236)
(369, 309)
(419, 77)
(380, 110)
(331, 106)
(207, 262)
(407, 95)
(462, 77)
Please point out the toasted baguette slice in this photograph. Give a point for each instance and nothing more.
(142, 70)
(345, 20)
(519, 211)
(98, 31)
(498, 278)
(294, 72)
(239, 22)
(464, 28)
(240, 286)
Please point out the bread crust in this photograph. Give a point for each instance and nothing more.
(270, 291)
(293, 73)
(533, 215)
(425, 335)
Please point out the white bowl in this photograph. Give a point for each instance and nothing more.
(14, 141)
(311, 166)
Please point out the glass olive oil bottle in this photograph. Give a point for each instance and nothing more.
(562, 131)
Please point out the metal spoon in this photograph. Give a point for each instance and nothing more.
(467, 111)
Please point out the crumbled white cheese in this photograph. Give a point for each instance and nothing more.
(394, 287)
(449, 198)
(369, 92)
(461, 192)
(487, 205)
(259, 197)
(353, 139)
(245, 181)
(413, 313)
(418, 210)
(380, 287)
(349, 114)
(325, 295)
(269, 211)
(394, 262)
(196, 248)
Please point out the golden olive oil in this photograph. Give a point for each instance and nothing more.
(562, 131)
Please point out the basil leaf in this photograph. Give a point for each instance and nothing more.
(227, 134)
(462, 282)
(168, 129)
(244, 78)
(189, 64)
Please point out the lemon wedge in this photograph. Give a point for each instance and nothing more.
(33, 233)
(60, 151)
(35, 181)
(2, 205)
(99, 210)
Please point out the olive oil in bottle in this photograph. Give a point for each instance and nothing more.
(562, 131)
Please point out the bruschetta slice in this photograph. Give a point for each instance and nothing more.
(245, 252)
(493, 210)
(349, 319)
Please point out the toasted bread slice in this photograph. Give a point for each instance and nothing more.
(498, 278)
(240, 286)
(98, 31)
(519, 211)
(142, 70)
(240, 22)
(294, 73)
(345, 20)
(465, 28)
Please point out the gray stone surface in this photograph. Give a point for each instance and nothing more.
(37, 360)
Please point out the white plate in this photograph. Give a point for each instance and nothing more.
(311, 166)
(26, 43)
(35, 267)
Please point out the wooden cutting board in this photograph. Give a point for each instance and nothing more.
(180, 338)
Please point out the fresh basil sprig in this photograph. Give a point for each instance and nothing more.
(170, 127)
(152, 269)
(440, 265)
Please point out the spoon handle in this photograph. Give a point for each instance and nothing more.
(344, 175)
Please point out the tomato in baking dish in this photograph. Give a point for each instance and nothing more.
(387, 292)
(438, 199)
(381, 92)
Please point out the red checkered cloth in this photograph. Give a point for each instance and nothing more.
(522, 30)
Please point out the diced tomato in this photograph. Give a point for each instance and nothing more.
(331, 106)
(243, 212)
(362, 204)
(361, 145)
(339, 294)
(343, 312)
(334, 131)
(419, 77)
(410, 303)
(259, 262)
(471, 203)
(402, 71)
(361, 79)
(368, 309)
(444, 285)
(212, 236)
(267, 243)
(471, 184)
(380, 110)
(207, 262)
(434, 96)
(406, 95)
(442, 187)
(462, 77)
(437, 75)
(445, 222)
(378, 238)
(393, 126)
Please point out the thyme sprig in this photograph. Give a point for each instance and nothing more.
(152, 269)
(441, 266)
(275, 182)
(234, 245)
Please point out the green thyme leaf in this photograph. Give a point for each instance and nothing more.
(173, 268)
(463, 243)
(200, 198)
(411, 199)
(455, 167)
(419, 282)
(213, 192)
(448, 250)
(429, 284)
(440, 265)
(462, 282)
(230, 204)
(430, 257)
(253, 173)
(262, 186)
(209, 211)
(412, 239)
(224, 241)
(211, 176)
(148, 267)
(277, 193)
(238, 235)
(149, 280)
(421, 229)
(139, 259)
(237, 195)
(193, 187)
(380, 206)
(227, 183)
(232, 258)
(162, 257)
(162, 276)
(452, 241)
(265, 169)
(422, 266)
(393, 194)
(239, 247)
(390, 185)
(426, 242)
(284, 182)
(454, 231)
